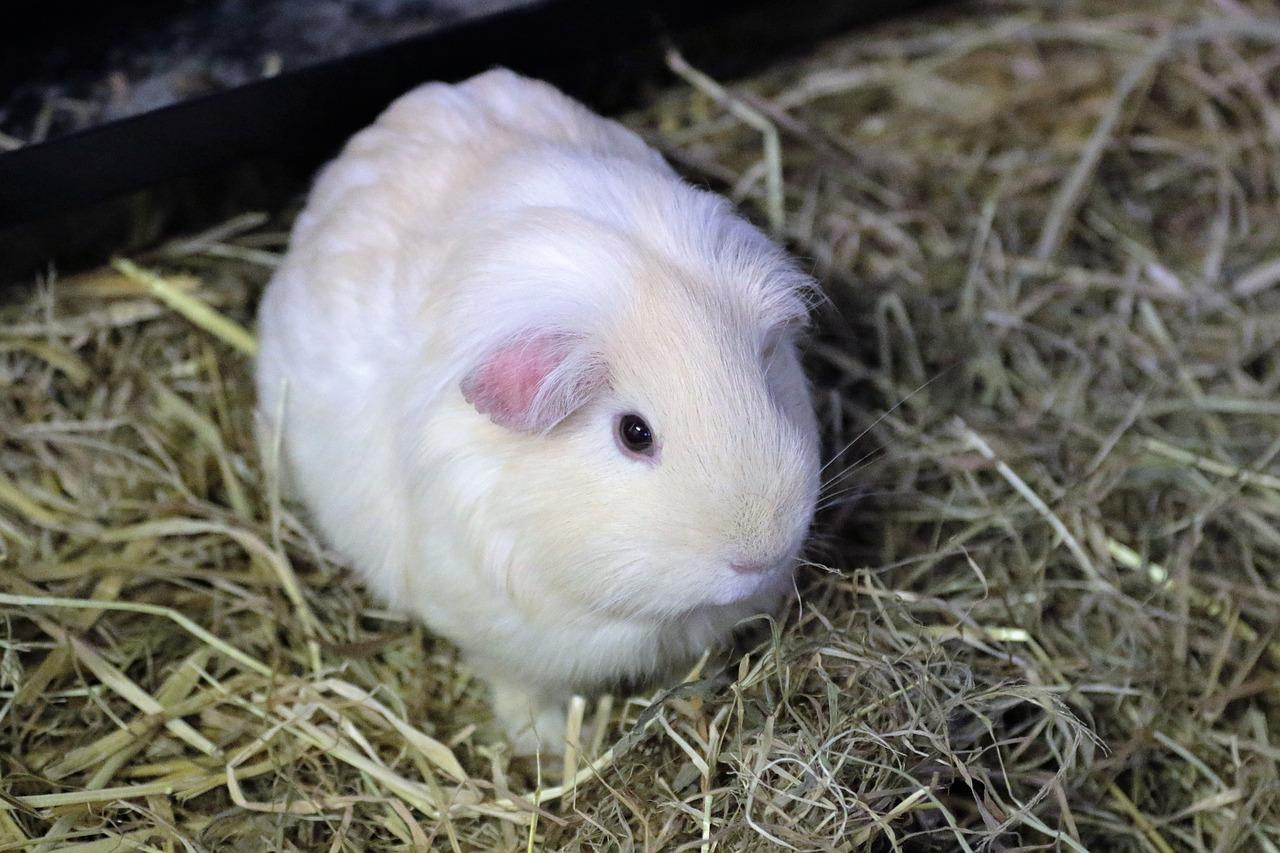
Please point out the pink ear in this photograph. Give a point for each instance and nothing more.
(533, 382)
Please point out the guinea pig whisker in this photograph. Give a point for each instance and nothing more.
(827, 497)
(884, 415)
(858, 465)
(843, 478)
(853, 495)
(839, 485)
(863, 462)
(866, 490)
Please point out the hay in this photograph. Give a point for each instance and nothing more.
(1046, 577)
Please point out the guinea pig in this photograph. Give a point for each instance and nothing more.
(541, 393)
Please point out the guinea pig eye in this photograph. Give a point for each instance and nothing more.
(635, 435)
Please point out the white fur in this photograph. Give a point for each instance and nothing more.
(466, 217)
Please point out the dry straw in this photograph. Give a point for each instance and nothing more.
(1043, 597)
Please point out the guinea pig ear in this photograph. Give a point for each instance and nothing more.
(534, 381)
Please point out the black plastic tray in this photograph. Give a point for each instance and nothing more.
(58, 198)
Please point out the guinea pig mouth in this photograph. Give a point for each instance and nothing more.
(756, 567)
(738, 583)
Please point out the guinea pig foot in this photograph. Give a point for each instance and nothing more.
(533, 726)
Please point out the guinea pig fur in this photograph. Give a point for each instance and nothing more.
(540, 392)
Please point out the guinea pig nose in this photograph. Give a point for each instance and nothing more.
(751, 567)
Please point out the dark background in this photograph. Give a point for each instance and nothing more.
(123, 122)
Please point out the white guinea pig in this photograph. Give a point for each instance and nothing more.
(540, 392)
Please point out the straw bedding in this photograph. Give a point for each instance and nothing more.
(1042, 609)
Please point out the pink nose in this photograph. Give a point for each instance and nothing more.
(751, 567)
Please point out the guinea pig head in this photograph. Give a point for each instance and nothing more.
(657, 442)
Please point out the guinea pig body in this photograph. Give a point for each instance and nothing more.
(540, 392)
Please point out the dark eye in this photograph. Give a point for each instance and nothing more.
(634, 434)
